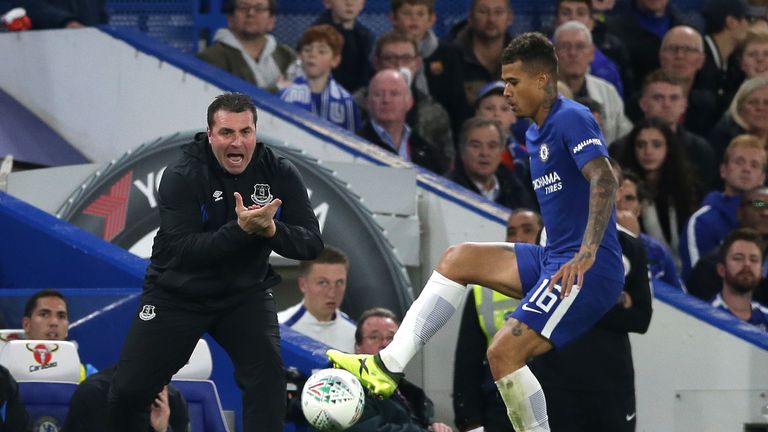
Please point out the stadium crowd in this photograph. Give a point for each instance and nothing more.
(682, 103)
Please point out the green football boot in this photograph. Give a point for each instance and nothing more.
(368, 369)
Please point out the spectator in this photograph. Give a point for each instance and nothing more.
(481, 143)
(652, 151)
(740, 264)
(743, 169)
(441, 73)
(46, 317)
(592, 380)
(408, 409)
(246, 49)
(573, 42)
(704, 281)
(661, 263)
(663, 97)
(476, 400)
(681, 57)
(523, 226)
(88, 407)
(748, 113)
(316, 90)
(754, 56)
(389, 100)
(481, 43)
(354, 69)
(396, 50)
(322, 282)
(492, 104)
(602, 66)
(15, 417)
(726, 27)
(53, 14)
(641, 29)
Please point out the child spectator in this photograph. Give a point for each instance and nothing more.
(354, 69)
(442, 76)
(491, 103)
(320, 51)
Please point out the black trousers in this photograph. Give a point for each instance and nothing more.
(158, 347)
(590, 411)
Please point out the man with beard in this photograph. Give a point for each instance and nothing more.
(246, 49)
(481, 43)
(704, 281)
(740, 264)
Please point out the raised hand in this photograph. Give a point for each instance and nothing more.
(256, 219)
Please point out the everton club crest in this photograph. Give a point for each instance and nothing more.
(261, 194)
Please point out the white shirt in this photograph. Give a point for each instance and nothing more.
(338, 333)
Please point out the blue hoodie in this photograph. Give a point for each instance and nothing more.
(707, 227)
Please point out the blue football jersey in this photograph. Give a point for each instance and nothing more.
(569, 138)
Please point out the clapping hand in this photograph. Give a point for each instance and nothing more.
(257, 219)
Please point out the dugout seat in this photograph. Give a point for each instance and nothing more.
(9, 335)
(48, 373)
(203, 403)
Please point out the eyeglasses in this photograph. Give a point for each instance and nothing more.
(376, 338)
(393, 58)
(683, 49)
(244, 8)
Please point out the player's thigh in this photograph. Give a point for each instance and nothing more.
(561, 320)
(492, 265)
(250, 334)
(159, 342)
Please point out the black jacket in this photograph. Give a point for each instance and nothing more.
(445, 78)
(15, 418)
(408, 410)
(200, 252)
(724, 82)
(422, 153)
(88, 406)
(354, 69)
(642, 45)
(512, 193)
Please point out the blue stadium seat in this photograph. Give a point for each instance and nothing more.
(205, 412)
(47, 403)
(204, 405)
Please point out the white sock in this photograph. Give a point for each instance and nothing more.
(428, 313)
(526, 406)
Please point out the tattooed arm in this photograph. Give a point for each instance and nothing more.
(602, 197)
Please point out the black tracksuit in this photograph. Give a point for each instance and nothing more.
(14, 416)
(208, 275)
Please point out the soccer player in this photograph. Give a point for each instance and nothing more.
(565, 286)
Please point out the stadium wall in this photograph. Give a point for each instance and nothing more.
(107, 92)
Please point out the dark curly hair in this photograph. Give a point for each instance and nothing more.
(675, 186)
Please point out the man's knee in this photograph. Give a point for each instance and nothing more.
(453, 258)
(515, 343)
(127, 391)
